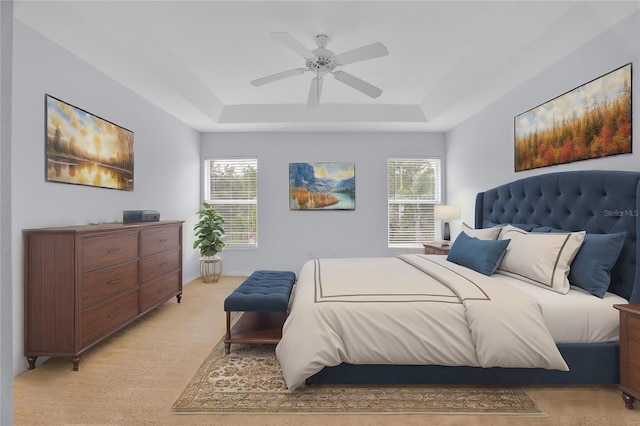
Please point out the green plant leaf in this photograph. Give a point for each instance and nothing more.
(209, 231)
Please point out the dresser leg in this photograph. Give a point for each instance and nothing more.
(179, 297)
(75, 361)
(628, 401)
(32, 362)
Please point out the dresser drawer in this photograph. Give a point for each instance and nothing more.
(103, 319)
(159, 290)
(159, 264)
(100, 251)
(158, 239)
(103, 284)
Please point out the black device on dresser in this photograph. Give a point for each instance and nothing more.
(132, 216)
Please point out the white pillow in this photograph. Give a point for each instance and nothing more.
(542, 259)
(482, 234)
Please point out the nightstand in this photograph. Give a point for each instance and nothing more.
(435, 248)
(629, 353)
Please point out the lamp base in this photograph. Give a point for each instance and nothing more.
(446, 234)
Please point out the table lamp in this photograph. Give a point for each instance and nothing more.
(445, 213)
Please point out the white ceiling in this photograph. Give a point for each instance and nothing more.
(447, 59)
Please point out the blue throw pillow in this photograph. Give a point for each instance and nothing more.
(591, 269)
(482, 256)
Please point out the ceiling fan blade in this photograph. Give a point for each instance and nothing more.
(314, 92)
(363, 53)
(358, 84)
(293, 44)
(278, 76)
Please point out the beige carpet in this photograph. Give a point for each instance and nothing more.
(249, 380)
(135, 377)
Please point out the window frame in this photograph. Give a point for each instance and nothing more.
(207, 196)
(420, 200)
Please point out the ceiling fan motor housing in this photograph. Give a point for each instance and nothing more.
(323, 62)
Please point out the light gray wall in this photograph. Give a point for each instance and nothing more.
(288, 238)
(480, 151)
(6, 290)
(166, 155)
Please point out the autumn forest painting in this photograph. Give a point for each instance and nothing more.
(86, 150)
(591, 121)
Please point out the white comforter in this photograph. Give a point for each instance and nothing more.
(411, 309)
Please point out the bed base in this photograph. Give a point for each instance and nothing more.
(589, 364)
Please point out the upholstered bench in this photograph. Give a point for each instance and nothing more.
(264, 300)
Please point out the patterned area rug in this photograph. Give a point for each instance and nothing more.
(249, 380)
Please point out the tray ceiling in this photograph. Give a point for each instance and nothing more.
(447, 59)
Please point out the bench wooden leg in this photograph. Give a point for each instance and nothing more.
(227, 346)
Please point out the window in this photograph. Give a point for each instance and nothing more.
(231, 186)
(414, 188)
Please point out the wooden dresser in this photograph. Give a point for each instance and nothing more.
(83, 283)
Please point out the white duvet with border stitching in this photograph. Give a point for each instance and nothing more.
(411, 309)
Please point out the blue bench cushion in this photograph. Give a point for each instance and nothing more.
(262, 291)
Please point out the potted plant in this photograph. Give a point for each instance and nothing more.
(209, 232)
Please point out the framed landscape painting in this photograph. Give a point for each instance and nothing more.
(590, 121)
(84, 149)
(322, 186)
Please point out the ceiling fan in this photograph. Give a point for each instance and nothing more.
(322, 61)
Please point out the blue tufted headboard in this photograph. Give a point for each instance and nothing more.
(596, 201)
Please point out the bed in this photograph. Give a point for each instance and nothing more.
(581, 205)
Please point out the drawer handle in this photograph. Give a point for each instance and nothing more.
(163, 240)
(113, 281)
(113, 250)
(163, 263)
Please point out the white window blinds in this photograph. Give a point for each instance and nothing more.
(413, 190)
(231, 186)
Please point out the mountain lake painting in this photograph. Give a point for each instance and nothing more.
(322, 186)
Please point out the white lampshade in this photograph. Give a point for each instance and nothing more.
(446, 212)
